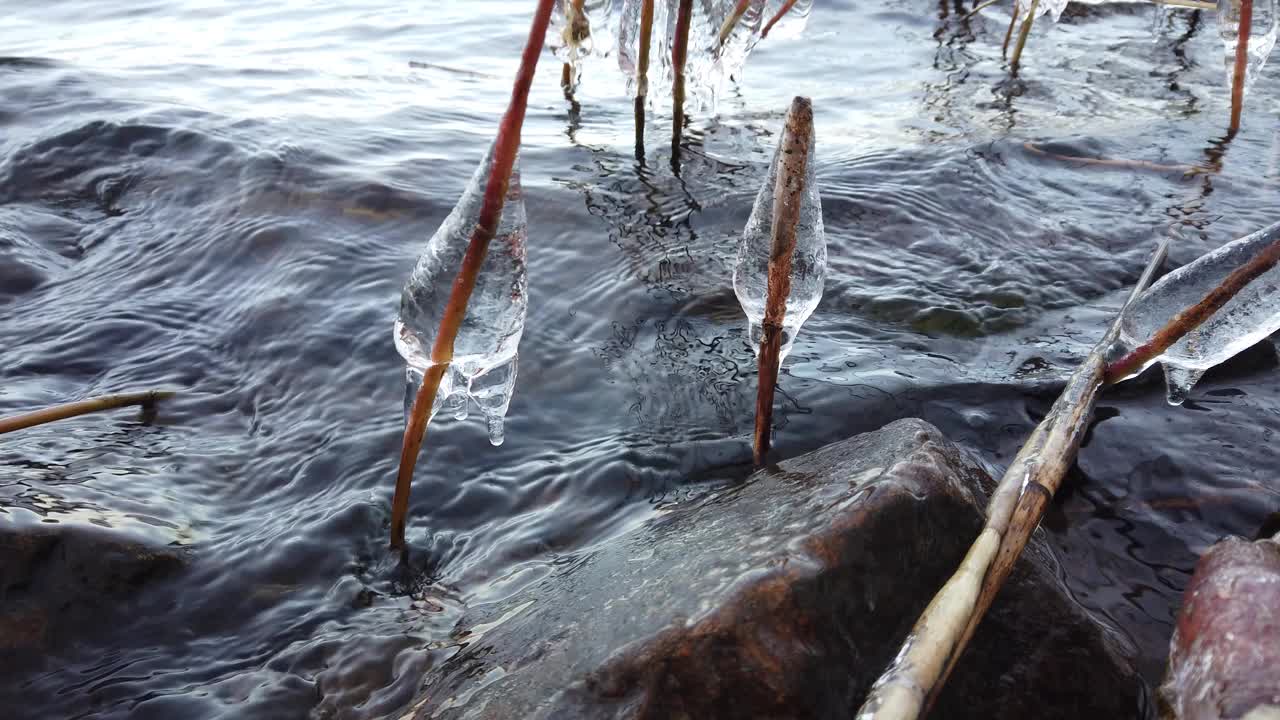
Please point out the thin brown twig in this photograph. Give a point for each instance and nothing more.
(726, 29)
(788, 194)
(1008, 34)
(786, 8)
(913, 682)
(679, 55)
(82, 407)
(506, 146)
(1241, 68)
(1192, 317)
(1016, 60)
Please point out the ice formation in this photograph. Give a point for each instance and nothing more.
(808, 264)
(1247, 318)
(1262, 37)
(484, 353)
(1054, 7)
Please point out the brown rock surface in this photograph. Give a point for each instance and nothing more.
(784, 598)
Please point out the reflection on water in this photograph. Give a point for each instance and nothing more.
(227, 201)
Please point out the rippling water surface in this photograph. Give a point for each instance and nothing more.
(224, 198)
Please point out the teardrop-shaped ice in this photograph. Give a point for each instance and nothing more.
(808, 263)
(1262, 37)
(1250, 316)
(489, 335)
(1179, 380)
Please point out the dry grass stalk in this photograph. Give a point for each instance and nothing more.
(1240, 71)
(83, 407)
(911, 684)
(788, 194)
(1192, 317)
(506, 147)
(679, 56)
(786, 8)
(1022, 37)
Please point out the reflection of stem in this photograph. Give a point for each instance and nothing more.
(732, 21)
(788, 194)
(679, 54)
(786, 7)
(83, 407)
(1242, 64)
(915, 678)
(642, 72)
(1022, 37)
(1192, 317)
(506, 146)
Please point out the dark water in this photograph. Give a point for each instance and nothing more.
(224, 199)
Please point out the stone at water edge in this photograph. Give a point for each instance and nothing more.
(1224, 658)
(785, 598)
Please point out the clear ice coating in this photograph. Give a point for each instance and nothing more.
(573, 34)
(484, 352)
(1262, 37)
(793, 23)
(1054, 7)
(1247, 318)
(808, 264)
(709, 66)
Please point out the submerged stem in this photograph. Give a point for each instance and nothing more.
(506, 146)
(82, 407)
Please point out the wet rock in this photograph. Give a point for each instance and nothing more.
(60, 581)
(785, 598)
(1224, 659)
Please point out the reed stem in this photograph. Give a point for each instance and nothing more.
(1192, 317)
(82, 407)
(732, 21)
(506, 146)
(1022, 37)
(1240, 71)
(788, 194)
(1008, 33)
(786, 8)
(913, 681)
(642, 72)
(679, 55)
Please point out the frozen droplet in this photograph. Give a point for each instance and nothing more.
(1179, 381)
(808, 264)
(1262, 37)
(1249, 317)
(489, 334)
(492, 391)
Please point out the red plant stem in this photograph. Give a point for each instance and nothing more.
(1008, 34)
(506, 146)
(642, 72)
(1192, 317)
(1242, 64)
(679, 54)
(788, 194)
(786, 7)
(732, 21)
(83, 407)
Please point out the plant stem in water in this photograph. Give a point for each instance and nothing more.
(679, 54)
(1022, 37)
(732, 21)
(83, 407)
(788, 193)
(642, 73)
(786, 7)
(506, 147)
(1240, 71)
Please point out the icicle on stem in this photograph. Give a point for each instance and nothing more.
(1192, 317)
(786, 8)
(82, 407)
(732, 21)
(911, 684)
(1022, 36)
(679, 54)
(642, 72)
(1240, 71)
(788, 194)
(576, 31)
(505, 149)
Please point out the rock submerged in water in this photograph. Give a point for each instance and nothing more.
(785, 598)
(1224, 659)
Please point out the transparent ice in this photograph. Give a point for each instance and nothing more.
(1054, 7)
(1247, 318)
(1159, 21)
(793, 23)
(572, 36)
(1262, 37)
(808, 264)
(484, 352)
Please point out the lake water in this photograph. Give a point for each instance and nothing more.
(225, 197)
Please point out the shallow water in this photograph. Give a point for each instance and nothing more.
(224, 198)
